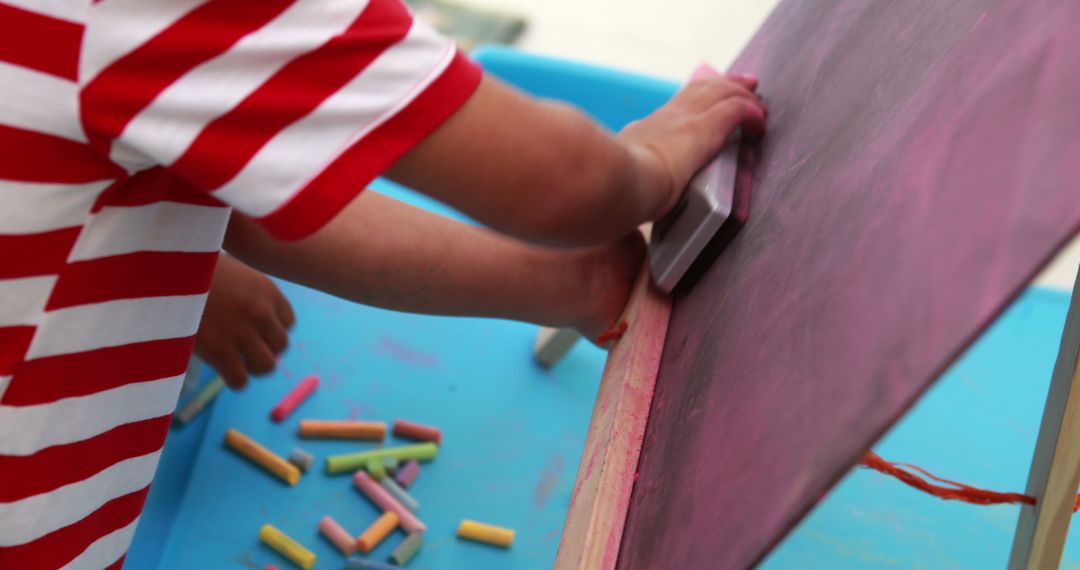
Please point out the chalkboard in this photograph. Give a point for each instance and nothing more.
(922, 163)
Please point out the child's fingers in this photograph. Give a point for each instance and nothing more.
(747, 80)
(284, 310)
(702, 95)
(274, 334)
(231, 369)
(706, 71)
(735, 112)
(258, 356)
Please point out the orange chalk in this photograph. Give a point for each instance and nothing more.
(337, 535)
(343, 429)
(419, 432)
(261, 456)
(380, 529)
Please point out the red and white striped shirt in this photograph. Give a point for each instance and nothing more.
(127, 130)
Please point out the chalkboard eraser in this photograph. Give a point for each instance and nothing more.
(710, 212)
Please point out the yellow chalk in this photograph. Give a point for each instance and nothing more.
(481, 532)
(261, 456)
(286, 546)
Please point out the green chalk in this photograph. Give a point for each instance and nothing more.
(376, 469)
(199, 401)
(391, 464)
(349, 462)
(407, 549)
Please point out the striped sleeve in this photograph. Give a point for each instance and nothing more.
(284, 109)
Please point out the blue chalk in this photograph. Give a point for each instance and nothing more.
(355, 563)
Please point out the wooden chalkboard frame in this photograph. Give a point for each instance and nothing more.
(606, 474)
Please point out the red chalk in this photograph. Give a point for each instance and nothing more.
(294, 398)
(614, 333)
(419, 432)
(407, 473)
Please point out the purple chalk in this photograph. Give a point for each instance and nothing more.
(407, 473)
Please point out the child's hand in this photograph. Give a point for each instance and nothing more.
(610, 274)
(244, 325)
(682, 136)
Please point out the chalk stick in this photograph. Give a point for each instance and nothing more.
(261, 456)
(337, 536)
(199, 401)
(376, 469)
(352, 461)
(481, 532)
(385, 501)
(407, 549)
(407, 474)
(420, 432)
(343, 429)
(374, 534)
(391, 464)
(357, 563)
(553, 344)
(294, 398)
(400, 494)
(301, 459)
(287, 547)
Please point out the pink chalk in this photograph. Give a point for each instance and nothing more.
(704, 70)
(407, 473)
(294, 398)
(386, 502)
(337, 535)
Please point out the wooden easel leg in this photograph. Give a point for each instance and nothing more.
(1055, 468)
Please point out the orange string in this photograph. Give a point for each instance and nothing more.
(957, 491)
(614, 333)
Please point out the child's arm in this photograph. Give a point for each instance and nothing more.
(534, 171)
(385, 253)
(545, 173)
